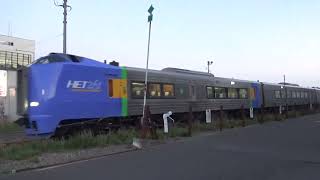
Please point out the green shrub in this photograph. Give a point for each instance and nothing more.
(83, 140)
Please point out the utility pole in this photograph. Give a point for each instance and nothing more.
(65, 6)
(209, 63)
(286, 93)
(150, 17)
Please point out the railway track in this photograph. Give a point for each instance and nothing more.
(18, 137)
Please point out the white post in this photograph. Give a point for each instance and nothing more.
(165, 121)
(280, 109)
(208, 115)
(251, 112)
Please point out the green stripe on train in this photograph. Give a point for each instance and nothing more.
(124, 73)
(124, 101)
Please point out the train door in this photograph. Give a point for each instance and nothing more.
(192, 91)
(117, 90)
(254, 95)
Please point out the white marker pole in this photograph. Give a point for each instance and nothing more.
(251, 112)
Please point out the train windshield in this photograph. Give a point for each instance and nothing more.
(55, 59)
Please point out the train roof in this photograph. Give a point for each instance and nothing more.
(286, 85)
(183, 73)
(69, 58)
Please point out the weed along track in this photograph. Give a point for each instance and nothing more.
(21, 155)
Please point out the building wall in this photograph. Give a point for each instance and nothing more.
(10, 100)
(12, 49)
(19, 45)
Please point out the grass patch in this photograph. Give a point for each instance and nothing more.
(178, 132)
(87, 140)
(199, 127)
(9, 127)
(175, 131)
(82, 141)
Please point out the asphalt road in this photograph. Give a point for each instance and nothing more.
(276, 150)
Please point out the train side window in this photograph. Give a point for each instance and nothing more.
(209, 92)
(137, 90)
(220, 93)
(288, 94)
(243, 93)
(233, 93)
(252, 93)
(154, 90)
(193, 91)
(277, 94)
(283, 94)
(168, 90)
(181, 90)
(294, 95)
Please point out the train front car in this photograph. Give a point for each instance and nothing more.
(64, 90)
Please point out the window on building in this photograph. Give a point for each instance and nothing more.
(137, 90)
(2, 60)
(277, 94)
(13, 60)
(298, 94)
(233, 93)
(306, 95)
(243, 93)
(302, 95)
(220, 93)
(210, 92)
(168, 90)
(154, 90)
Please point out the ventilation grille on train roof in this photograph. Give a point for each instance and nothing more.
(185, 71)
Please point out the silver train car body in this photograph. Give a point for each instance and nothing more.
(190, 87)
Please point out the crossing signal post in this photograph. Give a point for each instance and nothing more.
(150, 17)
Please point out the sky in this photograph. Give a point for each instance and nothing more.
(248, 39)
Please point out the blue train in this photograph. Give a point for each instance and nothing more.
(61, 91)
(65, 87)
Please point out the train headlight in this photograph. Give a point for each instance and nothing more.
(34, 104)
